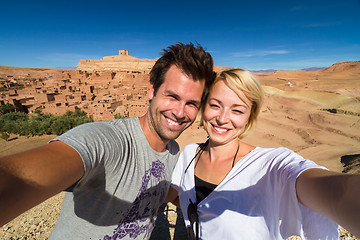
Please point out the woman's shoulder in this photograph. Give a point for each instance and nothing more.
(191, 147)
(273, 149)
(280, 155)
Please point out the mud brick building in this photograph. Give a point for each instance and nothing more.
(101, 87)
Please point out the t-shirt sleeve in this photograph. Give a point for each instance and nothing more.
(295, 218)
(94, 142)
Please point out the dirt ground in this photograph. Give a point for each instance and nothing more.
(316, 114)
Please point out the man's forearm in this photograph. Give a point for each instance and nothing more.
(29, 178)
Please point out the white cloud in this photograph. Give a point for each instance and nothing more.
(260, 53)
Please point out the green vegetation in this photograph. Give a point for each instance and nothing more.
(4, 136)
(39, 124)
(3, 89)
(6, 108)
(118, 116)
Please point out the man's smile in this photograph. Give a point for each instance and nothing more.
(172, 122)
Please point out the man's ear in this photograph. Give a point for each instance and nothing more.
(151, 91)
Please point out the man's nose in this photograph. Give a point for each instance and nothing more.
(179, 110)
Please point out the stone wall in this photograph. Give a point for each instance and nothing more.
(121, 62)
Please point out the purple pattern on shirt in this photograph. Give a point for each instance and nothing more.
(135, 223)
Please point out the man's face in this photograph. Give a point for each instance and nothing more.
(176, 103)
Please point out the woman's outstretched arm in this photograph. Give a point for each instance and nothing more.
(334, 195)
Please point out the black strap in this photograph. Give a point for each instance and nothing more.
(193, 218)
(202, 148)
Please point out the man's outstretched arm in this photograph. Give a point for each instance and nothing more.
(31, 177)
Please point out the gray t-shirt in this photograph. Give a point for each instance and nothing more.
(124, 184)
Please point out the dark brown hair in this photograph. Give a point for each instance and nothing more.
(194, 61)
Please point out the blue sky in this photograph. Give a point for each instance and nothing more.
(253, 34)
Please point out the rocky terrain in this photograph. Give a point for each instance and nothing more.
(315, 113)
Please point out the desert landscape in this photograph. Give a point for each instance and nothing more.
(314, 113)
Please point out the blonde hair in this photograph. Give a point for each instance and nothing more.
(240, 80)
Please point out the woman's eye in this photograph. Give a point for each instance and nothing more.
(214, 105)
(238, 111)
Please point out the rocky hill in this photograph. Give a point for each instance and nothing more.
(353, 67)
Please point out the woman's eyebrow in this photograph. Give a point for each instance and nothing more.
(234, 105)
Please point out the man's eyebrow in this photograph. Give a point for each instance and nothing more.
(194, 101)
(170, 92)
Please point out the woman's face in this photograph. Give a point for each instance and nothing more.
(226, 114)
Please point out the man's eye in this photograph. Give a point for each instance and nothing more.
(173, 97)
(194, 105)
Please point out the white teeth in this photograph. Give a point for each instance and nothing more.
(172, 122)
(220, 129)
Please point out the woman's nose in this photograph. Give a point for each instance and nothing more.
(223, 117)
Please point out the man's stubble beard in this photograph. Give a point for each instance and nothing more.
(158, 129)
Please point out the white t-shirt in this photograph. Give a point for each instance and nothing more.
(256, 200)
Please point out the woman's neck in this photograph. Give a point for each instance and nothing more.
(223, 152)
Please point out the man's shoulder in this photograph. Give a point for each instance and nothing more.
(114, 128)
(124, 124)
(123, 121)
(173, 147)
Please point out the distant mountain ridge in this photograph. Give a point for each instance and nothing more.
(264, 71)
(336, 67)
(313, 68)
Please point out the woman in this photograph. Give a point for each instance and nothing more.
(231, 190)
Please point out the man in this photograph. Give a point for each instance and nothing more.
(117, 173)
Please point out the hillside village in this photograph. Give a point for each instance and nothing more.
(102, 88)
(119, 85)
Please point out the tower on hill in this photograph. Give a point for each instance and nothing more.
(124, 52)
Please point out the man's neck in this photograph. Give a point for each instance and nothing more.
(152, 137)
